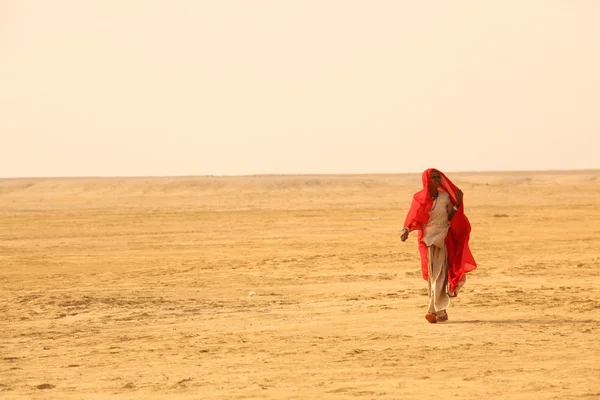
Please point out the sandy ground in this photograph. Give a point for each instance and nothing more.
(141, 289)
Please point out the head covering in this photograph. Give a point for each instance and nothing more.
(460, 259)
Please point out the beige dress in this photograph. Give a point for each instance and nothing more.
(434, 236)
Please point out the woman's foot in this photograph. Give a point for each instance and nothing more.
(431, 318)
(442, 316)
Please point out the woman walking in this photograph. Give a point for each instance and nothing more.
(437, 213)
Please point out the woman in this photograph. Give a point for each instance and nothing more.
(437, 212)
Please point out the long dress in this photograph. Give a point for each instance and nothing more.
(434, 236)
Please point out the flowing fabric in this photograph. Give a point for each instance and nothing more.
(460, 259)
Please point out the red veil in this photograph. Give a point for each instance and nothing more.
(460, 259)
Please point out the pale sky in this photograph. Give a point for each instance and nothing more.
(224, 87)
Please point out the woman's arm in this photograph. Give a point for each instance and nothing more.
(452, 209)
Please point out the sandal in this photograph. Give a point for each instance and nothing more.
(431, 318)
(443, 317)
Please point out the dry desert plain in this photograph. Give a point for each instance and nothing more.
(294, 287)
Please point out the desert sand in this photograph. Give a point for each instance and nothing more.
(294, 287)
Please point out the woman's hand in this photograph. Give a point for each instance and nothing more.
(404, 235)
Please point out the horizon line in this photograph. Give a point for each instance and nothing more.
(583, 170)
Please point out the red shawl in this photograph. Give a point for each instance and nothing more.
(460, 259)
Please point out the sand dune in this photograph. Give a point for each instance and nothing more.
(138, 288)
